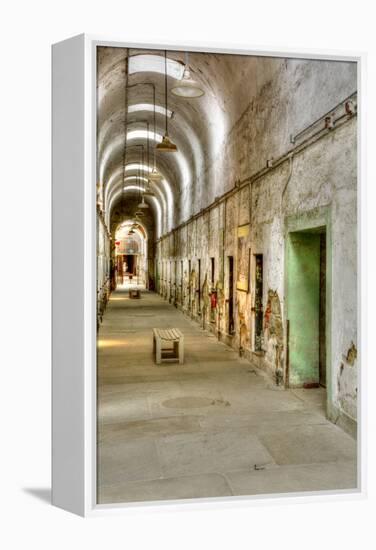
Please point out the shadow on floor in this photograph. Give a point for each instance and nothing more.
(40, 493)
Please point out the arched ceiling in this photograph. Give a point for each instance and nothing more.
(198, 126)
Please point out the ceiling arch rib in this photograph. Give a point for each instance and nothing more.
(198, 126)
(181, 164)
(187, 164)
(115, 148)
(114, 155)
(163, 189)
(153, 201)
(115, 124)
(118, 190)
(168, 183)
(121, 230)
(163, 210)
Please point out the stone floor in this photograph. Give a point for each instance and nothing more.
(215, 426)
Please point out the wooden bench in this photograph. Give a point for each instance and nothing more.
(134, 293)
(169, 336)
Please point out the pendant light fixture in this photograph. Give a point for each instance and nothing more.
(143, 204)
(166, 145)
(187, 87)
(145, 189)
(154, 176)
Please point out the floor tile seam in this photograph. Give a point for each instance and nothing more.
(138, 438)
(292, 428)
(245, 429)
(167, 478)
(127, 481)
(226, 473)
(291, 466)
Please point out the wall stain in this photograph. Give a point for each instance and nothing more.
(273, 334)
(351, 354)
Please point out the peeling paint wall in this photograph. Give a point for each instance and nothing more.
(323, 173)
(103, 253)
(347, 382)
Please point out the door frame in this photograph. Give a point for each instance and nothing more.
(313, 219)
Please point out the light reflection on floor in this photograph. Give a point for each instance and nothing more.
(126, 285)
(107, 343)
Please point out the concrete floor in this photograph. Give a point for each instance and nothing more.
(215, 426)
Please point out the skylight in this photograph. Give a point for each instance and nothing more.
(149, 107)
(143, 134)
(146, 63)
(136, 166)
(135, 178)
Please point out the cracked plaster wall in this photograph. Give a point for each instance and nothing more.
(323, 174)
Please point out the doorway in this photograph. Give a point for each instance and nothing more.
(199, 287)
(258, 307)
(130, 264)
(231, 323)
(189, 286)
(181, 283)
(307, 308)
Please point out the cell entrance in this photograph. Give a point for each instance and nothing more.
(130, 264)
(259, 317)
(231, 323)
(306, 308)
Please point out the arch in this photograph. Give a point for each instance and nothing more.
(163, 189)
(140, 250)
(156, 205)
(198, 126)
(130, 221)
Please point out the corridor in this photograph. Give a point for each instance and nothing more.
(226, 192)
(214, 426)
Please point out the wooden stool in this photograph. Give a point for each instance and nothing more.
(173, 336)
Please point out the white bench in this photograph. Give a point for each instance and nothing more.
(168, 336)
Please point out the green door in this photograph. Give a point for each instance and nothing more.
(303, 307)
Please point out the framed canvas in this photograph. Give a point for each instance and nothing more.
(164, 173)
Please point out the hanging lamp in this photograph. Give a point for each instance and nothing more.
(187, 87)
(166, 145)
(144, 176)
(147, 191)
(154, 176)
(143, 204)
